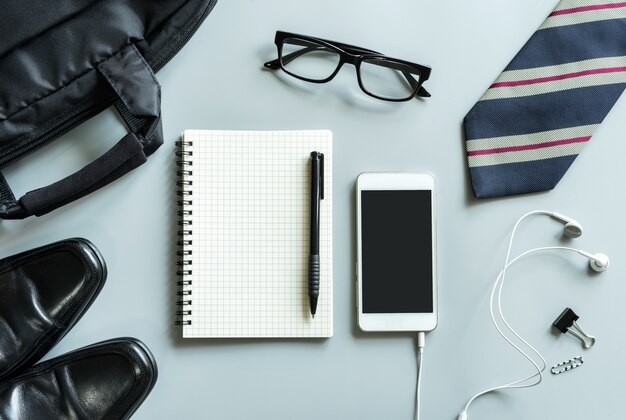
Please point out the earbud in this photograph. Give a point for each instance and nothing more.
(598, 262)
(572, 229)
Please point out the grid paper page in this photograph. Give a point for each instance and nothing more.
(250, 234)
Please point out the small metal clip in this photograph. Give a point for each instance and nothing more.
(568, 365)
(566, 323)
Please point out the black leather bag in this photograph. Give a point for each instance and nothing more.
(61, 63)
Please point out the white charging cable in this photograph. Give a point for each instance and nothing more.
(539, 366)
(421, 342)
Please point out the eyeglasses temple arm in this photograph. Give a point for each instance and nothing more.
(275, 64)
(421, 92)
(354, 49)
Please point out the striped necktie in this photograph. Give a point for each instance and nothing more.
(530, 125)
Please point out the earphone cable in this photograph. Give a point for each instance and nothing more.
(498, 285)
(518, 383)
(421, 340)
(501, 279)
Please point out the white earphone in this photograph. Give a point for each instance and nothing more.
(598, 262)
(572, 229)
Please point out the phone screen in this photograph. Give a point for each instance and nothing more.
(397, 262)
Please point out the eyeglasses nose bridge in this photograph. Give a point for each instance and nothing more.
(347, 58)
(350, 58)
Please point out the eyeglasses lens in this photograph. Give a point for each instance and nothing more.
(388, 79)
(308, 59)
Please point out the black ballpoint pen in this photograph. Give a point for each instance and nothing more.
(317, 194)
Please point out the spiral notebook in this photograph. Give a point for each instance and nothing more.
(244, 234)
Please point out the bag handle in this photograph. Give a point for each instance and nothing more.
(139, 104)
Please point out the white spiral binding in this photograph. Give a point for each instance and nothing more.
(184, 264)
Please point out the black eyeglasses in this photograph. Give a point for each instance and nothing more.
(317, 60)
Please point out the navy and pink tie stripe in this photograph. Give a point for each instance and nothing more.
(527, 129)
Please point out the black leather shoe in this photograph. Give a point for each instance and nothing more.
(43, 293)
(107, 380)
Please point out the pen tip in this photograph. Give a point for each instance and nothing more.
(313, 315)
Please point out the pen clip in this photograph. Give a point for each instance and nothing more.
(321, 176)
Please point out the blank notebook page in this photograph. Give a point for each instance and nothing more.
(250, 234)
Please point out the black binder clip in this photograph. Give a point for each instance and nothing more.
(566, 323)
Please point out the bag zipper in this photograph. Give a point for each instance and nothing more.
(190, 33)
(53, 133)
(94, 109)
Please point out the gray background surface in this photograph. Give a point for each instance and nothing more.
(216, 82)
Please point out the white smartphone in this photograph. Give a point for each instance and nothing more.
(396, 255)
